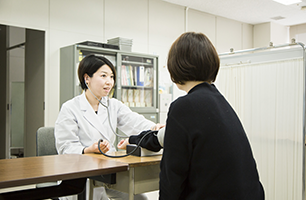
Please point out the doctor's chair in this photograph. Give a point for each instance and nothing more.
(45, 145)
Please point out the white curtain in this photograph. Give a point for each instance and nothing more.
(268, 98)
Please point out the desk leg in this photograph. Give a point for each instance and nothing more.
(131, 183)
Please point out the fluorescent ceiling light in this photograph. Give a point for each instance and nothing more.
(288, 2)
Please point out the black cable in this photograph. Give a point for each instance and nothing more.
(138, 145)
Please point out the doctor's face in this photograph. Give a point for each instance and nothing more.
(102, 81)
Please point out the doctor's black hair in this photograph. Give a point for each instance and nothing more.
(192, 57)
(90, 64)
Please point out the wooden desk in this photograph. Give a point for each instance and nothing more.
(143, 174)
(72, 169)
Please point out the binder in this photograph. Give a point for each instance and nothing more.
(140, 75)
(131, 97)
(124, 95)
(123, 75)
(128, 75)
(148, 79)
(131, 76)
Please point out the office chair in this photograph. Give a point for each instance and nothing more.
(45, 141)
(45, 145)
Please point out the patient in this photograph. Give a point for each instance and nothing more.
(206, 152)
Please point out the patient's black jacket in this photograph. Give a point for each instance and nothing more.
(206, 153)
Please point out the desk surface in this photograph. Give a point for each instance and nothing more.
(132, 161)
(33, 170)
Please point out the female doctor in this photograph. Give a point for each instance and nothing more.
(91, 116)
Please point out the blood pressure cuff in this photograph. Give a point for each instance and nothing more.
(149, 142)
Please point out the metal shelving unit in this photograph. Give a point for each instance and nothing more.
(137, 77)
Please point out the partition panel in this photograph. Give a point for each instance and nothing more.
(267, 90)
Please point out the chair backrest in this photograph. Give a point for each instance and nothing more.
(45, 141)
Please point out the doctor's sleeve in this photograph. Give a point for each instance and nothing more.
(132, 123)
(66, 129)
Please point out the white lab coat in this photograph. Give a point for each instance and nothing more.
(78, 126)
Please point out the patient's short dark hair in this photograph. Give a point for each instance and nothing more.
(192, 57)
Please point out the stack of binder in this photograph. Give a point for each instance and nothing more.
(123, 43)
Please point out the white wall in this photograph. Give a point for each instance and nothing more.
(228, 35)
(279, 34)
(298, 32)
(262, 34)
(270, 32)
(247, 36)
(202, 22)
(152, 24)
(223, 33)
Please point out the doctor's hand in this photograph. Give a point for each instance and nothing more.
(122, 144)
(157, 127)
(104, 146)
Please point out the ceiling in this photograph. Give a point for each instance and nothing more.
(250, 11)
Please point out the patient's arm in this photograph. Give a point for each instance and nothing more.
(153, 140)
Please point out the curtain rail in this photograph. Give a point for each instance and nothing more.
(232, 52)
